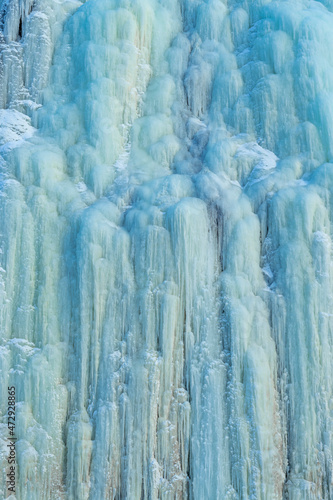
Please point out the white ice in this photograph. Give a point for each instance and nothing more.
(166, 259)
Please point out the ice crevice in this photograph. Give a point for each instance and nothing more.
(165, 262)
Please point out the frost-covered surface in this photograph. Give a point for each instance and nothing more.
(166, 276)
(28, 33)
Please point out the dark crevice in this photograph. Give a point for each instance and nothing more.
(20, 29)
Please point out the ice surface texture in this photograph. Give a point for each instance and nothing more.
(166, 258)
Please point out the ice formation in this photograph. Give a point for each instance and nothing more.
(166, 259)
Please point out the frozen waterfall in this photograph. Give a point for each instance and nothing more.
(166, 278)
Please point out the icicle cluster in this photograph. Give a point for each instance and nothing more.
(166, 256)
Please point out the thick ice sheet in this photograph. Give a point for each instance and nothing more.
(166, 270)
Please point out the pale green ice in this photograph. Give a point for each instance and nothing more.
(166, 285)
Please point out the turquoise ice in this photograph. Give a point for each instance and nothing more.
(166, 209)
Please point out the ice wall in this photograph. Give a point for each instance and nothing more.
(166, 207)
